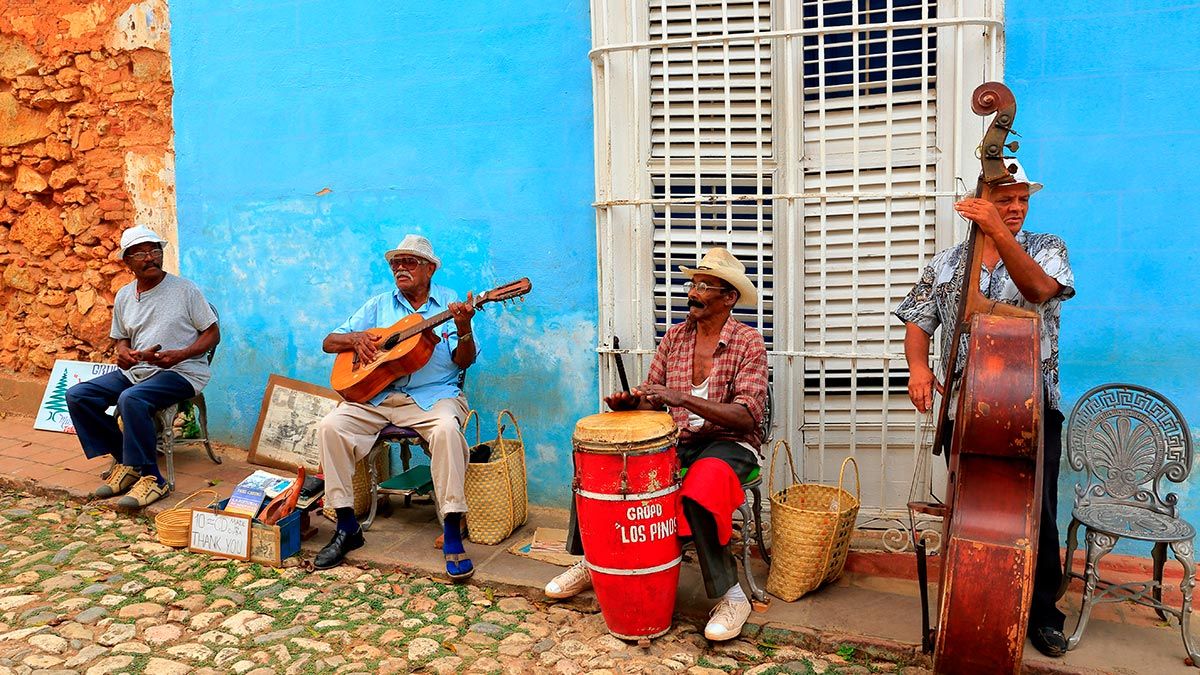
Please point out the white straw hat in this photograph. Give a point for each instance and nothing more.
(139, 234)
(720, 263)
(415, 244)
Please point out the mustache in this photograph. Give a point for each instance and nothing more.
(695, 303)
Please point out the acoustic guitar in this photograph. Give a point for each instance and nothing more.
(404, 348)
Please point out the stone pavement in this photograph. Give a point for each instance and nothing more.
(875, 617)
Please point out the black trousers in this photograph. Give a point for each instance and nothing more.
(717, 564)
(1047, 573)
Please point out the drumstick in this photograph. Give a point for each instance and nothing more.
(620, 364)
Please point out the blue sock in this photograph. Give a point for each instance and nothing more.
(346, 522)
(452, 543)
(152, 470)
(452, 533)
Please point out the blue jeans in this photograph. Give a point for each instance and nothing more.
(137, 403)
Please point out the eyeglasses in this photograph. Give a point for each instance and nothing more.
(407, 262)
(703, 287)
(144, 255)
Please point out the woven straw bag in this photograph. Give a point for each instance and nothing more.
(497, 500)
(361, 484)
(811, 526)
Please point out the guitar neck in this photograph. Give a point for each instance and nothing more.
(433, 321)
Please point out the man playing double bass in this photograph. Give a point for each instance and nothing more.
(1028, 270)
(710, 372)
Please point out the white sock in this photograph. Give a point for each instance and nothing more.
(736, 594)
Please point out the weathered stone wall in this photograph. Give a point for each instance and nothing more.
(85, 148)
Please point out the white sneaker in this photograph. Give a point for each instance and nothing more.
(727, 619)
(575, 580)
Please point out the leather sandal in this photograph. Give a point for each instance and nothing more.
(457, 560)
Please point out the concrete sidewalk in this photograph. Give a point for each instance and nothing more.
(872, 612)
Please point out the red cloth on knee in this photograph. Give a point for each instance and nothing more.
(713, 485)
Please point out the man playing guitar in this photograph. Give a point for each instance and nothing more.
(429, 401)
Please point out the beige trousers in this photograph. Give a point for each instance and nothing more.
(349, 431)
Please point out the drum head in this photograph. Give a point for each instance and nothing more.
(626, 431)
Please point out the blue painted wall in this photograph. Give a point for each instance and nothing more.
(468, 122)
(1106, 95)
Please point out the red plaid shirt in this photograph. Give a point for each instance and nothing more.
(739, 375)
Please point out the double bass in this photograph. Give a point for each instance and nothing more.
(993, 503)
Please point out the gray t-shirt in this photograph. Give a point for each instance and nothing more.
(172, 314)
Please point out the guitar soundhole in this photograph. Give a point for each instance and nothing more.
(391, 342)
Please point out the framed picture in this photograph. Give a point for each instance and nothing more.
(52, 414)
(286, 434)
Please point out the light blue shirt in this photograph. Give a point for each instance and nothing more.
(439, 378)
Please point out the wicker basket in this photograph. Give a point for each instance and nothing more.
(811, 526)
(362, 484)
(497, 501)
(174, 525)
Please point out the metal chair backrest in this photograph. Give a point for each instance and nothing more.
(213, 352)
(1128, 438)
(768, 416)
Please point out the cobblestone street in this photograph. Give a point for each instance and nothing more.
(86, 590)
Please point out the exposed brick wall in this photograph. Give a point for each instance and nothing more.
(85, 103)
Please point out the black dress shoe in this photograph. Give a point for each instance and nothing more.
(335, 551)
(1049, 641)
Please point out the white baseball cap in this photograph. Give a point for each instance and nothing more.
(415, 244)
(139, 234)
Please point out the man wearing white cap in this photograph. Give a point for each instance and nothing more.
(163, 327)
(710, 372)
(1028, 270)
(429, 401)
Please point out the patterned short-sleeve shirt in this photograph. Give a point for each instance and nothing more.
(738, 375)
(934, 300)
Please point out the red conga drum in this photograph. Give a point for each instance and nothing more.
(626, 477)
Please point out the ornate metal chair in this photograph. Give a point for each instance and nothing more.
(1128, 439)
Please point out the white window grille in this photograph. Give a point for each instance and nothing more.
(818, 140)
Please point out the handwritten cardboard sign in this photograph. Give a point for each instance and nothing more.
(221, 534)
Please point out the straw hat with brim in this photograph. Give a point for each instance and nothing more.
(720, 263)
(415, 244)
(139, 234)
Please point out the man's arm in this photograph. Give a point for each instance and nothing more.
(364, 344)
(921, 379)
(734, 416)
(1035, 285)
(465, 352)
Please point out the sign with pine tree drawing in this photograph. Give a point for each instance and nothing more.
(52, 414)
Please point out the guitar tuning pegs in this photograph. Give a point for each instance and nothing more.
(1012, 146)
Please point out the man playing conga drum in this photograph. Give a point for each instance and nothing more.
(710, 372)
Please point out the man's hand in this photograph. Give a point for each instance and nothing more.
(126, 357)
(364, 344)
(657, 395)
(164, 359)
(462, 312)
(984, 214)
(920, 388)
(623, 400)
